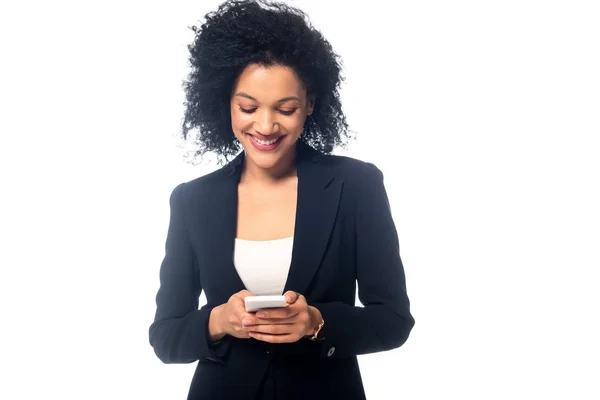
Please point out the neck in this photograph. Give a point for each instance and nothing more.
(255, 174)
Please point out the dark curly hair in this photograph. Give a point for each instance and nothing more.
(243, 32)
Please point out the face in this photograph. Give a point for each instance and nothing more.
(268, 108)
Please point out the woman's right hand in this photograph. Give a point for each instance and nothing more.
(226, 319)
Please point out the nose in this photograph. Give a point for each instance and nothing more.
(265, 123)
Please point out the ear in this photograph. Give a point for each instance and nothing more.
(311, 106)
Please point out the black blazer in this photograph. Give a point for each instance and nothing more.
(344, 234)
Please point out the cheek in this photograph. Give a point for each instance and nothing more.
(293, 124)
(239, 120)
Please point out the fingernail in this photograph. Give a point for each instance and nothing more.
(260, 314)
(251, 334)
(246, 322)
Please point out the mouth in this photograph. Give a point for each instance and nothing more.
(265, 145)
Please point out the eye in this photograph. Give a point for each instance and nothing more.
(290, 112)
(251, 110)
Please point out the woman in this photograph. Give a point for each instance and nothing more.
(284, 217)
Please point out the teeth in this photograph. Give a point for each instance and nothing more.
(264, 142)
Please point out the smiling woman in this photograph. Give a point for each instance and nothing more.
(230, 59)
(283, 218)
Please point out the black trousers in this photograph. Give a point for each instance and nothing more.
(266, 390)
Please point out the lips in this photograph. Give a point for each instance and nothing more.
(265, 145)
(266, 142)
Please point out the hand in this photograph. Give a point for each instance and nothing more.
(226, 319)
(284, 325)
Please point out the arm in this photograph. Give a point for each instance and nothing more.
(179, 333)
(385, 321)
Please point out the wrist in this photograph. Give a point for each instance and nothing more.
(315, 320)
(215, 330)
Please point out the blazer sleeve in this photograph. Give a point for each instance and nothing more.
(385, 321)
(179, 333)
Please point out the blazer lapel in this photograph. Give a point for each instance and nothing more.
(221, 210)
(316, 212)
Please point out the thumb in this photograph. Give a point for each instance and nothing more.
(291, 296)
(242, 294)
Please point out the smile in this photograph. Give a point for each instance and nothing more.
(266, 142)
(265, 145)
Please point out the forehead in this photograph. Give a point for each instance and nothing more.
(269, 83)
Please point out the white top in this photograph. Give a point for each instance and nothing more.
(263, 266)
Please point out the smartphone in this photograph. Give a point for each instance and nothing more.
(255, 303)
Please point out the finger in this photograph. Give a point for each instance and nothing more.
(240, 331)
(273, 313)
(284, 312)
(248, 321)
(278, 329)
(242, 294)
(291, 296)
(265, 337)
(235, 322)
(276, 321)
(294, 319)
(239, 306)
(245, 318)
(253, 320)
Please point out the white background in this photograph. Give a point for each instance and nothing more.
(483, 116)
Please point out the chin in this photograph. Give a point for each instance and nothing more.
(264, 160)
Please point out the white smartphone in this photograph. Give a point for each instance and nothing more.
(255, 303)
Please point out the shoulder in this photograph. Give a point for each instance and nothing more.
(362, 181)
(352, 170)
(200, 187)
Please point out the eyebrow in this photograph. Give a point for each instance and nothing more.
(241, 94)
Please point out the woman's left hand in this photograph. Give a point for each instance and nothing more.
(284, 325)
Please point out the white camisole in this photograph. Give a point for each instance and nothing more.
(263, 266)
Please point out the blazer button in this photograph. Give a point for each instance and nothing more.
(270, 354)
(330, 352)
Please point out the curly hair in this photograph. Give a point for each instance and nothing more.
(243, 32)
